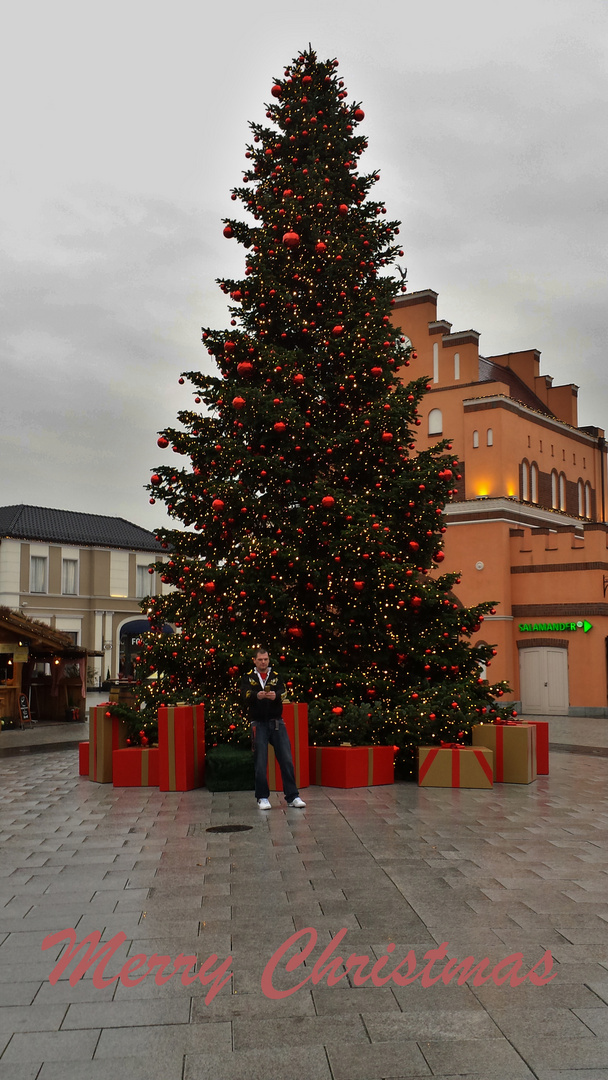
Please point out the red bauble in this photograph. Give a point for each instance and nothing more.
(298, 379)
(416, 601)
(376, 371)
(439, 556)
(414, 545)
(343, 209)
(229, 346)
(276, 90)
(320, 247)
(162, 442)
(236, 295)
(306, 80)
(359, 114)
(287, 193)
(217, 504)
(238, 402)
(244, 368)
(294, 631)
(155, 478)
(228, 231)
(328, 500)
(279, 426)
(386, 436)
(291, 239)
(337, 710)
(337, 330)
(359, 585)
(209, 586)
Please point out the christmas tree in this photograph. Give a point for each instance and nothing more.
(309, 521)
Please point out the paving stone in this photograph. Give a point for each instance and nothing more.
(279, 1064)
(489, 1057)
(51, 1046)
(296, 1031)
(377, 1061)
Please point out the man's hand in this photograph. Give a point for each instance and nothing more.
(261, 694)
(271, 695)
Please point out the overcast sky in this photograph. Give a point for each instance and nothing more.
(124, 129)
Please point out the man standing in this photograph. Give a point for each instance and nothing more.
(262, 693)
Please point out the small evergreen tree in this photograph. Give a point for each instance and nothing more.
(310, 522)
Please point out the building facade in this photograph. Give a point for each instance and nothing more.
(82, 574)
(527, 521)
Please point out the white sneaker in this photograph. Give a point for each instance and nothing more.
(297, 802)
(264, 804)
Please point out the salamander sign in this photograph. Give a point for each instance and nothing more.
(542, 627)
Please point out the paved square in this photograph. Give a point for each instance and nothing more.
(520, 869)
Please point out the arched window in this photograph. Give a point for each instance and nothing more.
(525, 481)
(554, 490)
(490, 437)
(534, 482)
(435, 422)
(587, 500)
(562, 491)
(475, 438)
(580, 487)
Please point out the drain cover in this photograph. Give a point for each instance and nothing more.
(229, 828)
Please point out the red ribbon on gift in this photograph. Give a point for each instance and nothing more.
(424, 768)
(452, 745)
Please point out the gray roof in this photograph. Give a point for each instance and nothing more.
(40, 523)
(490, 371)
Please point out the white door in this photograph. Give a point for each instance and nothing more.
(543, 680)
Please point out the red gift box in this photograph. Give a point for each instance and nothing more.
(352, 766)
(454, 766)
(83, 759)
(181, 744)
(137, 766)
(296, 722)
(542, 746)
(106, 734)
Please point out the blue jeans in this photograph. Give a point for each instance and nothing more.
(264, 732)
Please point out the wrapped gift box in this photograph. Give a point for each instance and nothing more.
(456, 767)
(352, 766)
(137, 766)
(181, 744)
(106, 734)
(542, 746)
(296, 722)
(514, 747)
(83, 759)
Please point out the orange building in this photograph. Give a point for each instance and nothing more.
(526, 527)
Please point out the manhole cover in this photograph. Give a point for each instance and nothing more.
(229, 828)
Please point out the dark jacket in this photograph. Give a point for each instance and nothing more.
(263, 709)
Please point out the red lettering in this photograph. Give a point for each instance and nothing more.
(319, 973)
(295, 961)
(537, 980)
(359, 963)
(91, 957)
(432, 955)
(379, 965)
(133, 964)
(161, 962)
(411, 962)
(467, 967)
(516, 959)
(214, 976)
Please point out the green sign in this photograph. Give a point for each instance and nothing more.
(536, 628)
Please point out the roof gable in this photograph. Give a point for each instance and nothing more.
(45, 525)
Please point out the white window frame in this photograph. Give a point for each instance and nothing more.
(435, 422)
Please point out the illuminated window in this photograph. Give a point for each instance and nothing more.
(475, 438)
(490, 437)
(587, 500)
(554, 490)
(525, 481)
(580, 487)
(562, 491)
(435, 422)
(534, 482)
